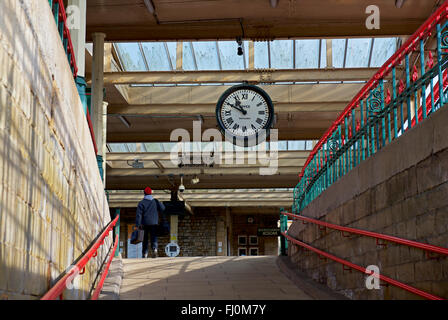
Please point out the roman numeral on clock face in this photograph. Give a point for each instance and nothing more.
(227, 113)
(229, 121)
(259, 121)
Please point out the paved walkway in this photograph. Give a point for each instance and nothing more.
(207, 278)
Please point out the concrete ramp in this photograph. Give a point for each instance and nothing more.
(208, 278)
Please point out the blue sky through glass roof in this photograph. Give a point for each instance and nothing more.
(131, 56)
(291, 145)
(277, 54)
(383, 49)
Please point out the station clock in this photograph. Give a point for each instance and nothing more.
(245, 114)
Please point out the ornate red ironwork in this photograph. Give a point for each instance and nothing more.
(423, 32)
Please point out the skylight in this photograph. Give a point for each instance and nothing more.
(277, 54)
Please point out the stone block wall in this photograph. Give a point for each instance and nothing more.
(52, 202)
(400, 191)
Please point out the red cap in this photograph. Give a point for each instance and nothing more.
(148, 190)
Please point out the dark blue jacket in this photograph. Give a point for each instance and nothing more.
(147, 212)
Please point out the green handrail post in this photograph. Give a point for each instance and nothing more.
(117, 231)
(408, 84)
(422, 60)
(394, 97)
(439, 64)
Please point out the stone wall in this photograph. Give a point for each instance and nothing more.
(400, 191)
(52, 202)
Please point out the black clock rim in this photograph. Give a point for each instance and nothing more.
(228, 92)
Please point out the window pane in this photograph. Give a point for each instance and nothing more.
(131, 56)
(383, 49)
(118, 147)
(229, 58)
(172, 49)
(156, 56)
(307, 54)
(323, 53)
(338, 48)
(187, 57)
(261, 55)
(206, 55)
(358, 53)
(281, 54)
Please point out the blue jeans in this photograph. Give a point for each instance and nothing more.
(152, 230)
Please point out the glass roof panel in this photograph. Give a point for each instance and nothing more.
(383, 49)
(154, 147)
(323, 53)
(281, 54)
(206, 55)
(261, 59)
(156, 57)
(358, 52)
(131, 57)
(229, 59)
(172, 49)
(132, 147)
(206, 146)
(338, 48)
(118, 147)
(296, 145)
(187, 57)
(246, 53)
(307, 54)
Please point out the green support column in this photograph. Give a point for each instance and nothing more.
(99, 160)
(82, 90)
(283, 228)
(117, 231)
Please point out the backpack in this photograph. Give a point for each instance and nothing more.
(163, 229)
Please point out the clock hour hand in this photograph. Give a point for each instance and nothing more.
(238, 107)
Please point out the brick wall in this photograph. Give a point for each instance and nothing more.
(197, 234)
(400, 191)
(52, 201)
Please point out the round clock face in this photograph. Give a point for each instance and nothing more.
(243, 112)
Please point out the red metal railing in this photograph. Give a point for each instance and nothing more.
(99, 287)
(428, 99)
(58, 289)
(57, 6)
(410, 243)
(364, 270)
(412, 43)
(92, 133)
(58, 9)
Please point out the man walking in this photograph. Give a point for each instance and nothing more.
(147, 219)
